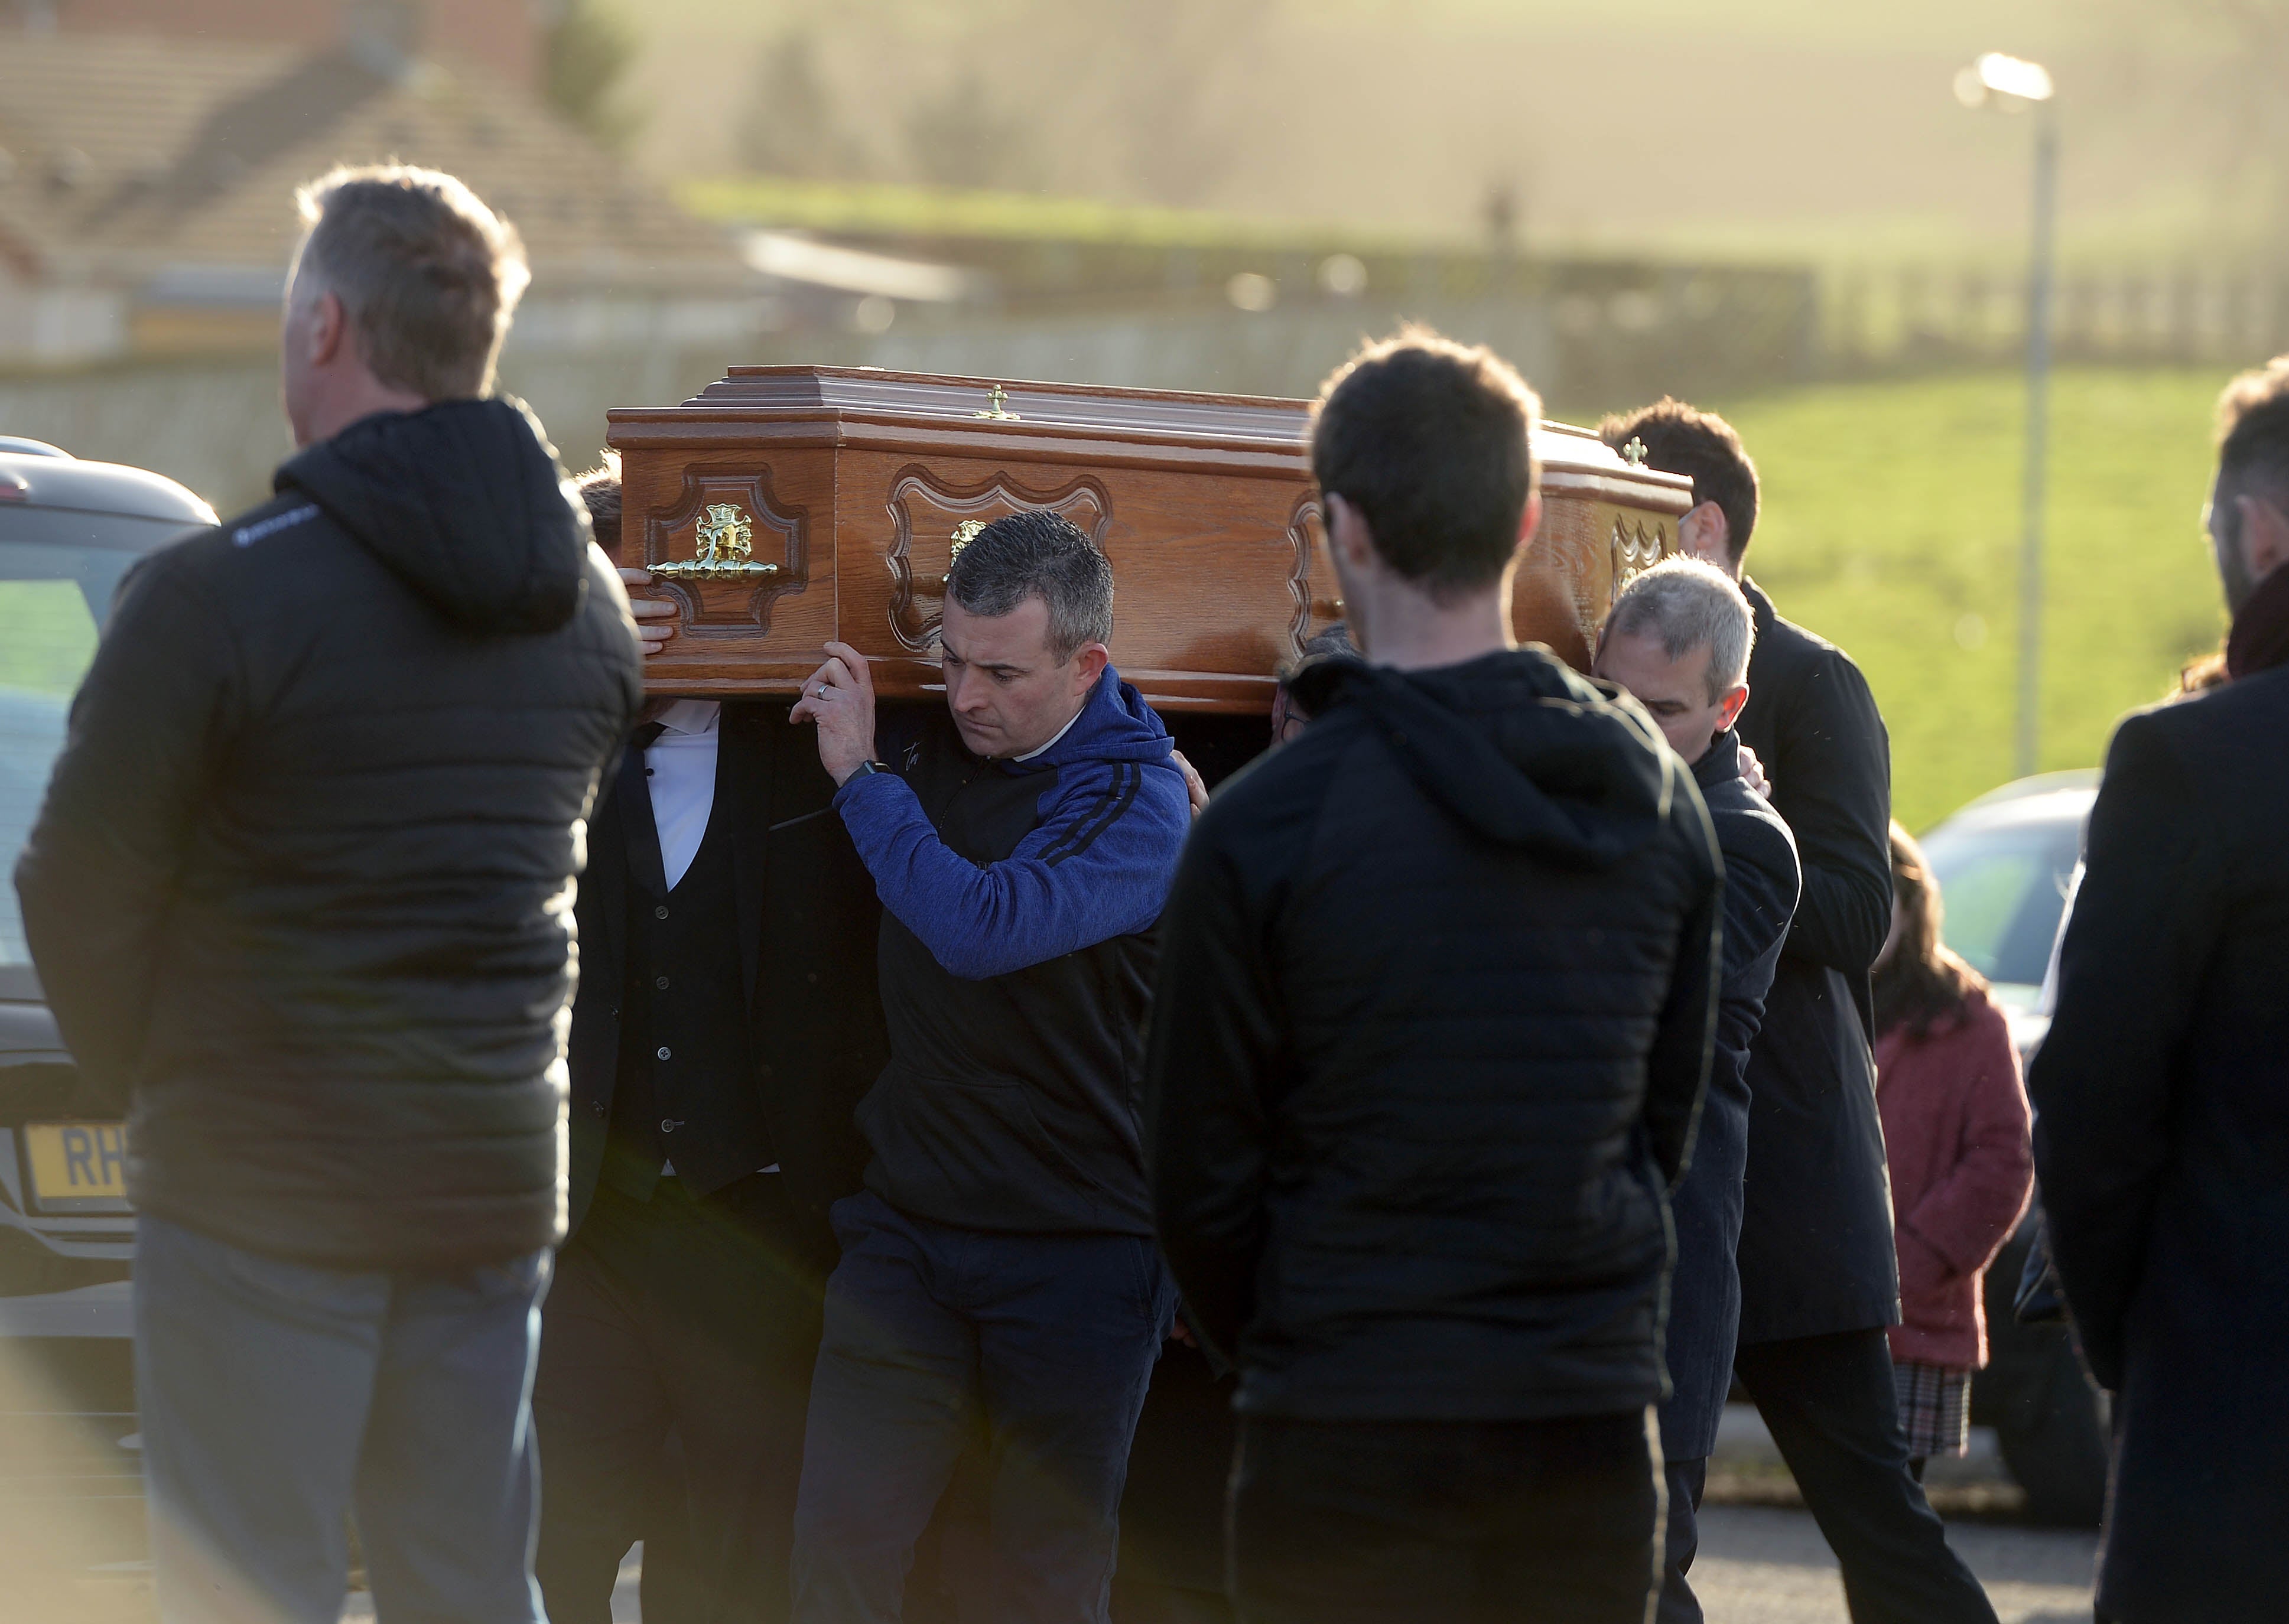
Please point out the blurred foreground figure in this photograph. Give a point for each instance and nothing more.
(300, 897)
(1434, 1013)
(998, 1274)
(727, 1022)
(1678, 640)
(1819, 1283)
(2162, 1093)
(1954, 1136)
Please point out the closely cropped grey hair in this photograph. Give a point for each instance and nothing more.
(1038, 554)
(1331, 641)
(428, 276)
(1691, 605)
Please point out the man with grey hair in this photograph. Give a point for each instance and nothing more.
(300, 897)
(1819, 1271)
(999, 1269)
(1678, 640)
(1703, 628)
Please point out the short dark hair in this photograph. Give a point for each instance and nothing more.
(1433, 441)
(2249, 390)
(600, 490)
(1330, 640)
(1038, 554)
(427, 275)
(2254, 430)
(1677, 439)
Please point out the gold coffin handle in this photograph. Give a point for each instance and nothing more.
(726, 541)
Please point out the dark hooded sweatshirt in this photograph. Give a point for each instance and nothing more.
(300, 893)
(1437, 989)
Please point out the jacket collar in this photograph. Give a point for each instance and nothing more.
(1760, 606)
(1720, 763)
(2260, 640)
(1113, 724)
(1055, 739)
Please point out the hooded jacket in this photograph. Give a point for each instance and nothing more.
(1016, 963)
(1435, 1009)
(300, 893)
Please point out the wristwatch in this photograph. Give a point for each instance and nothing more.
(864, 768)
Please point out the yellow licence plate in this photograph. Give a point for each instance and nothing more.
(78, 1166)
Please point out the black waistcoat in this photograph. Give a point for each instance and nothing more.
(687, 1091)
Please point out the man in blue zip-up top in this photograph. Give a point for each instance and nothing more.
(999, 1268)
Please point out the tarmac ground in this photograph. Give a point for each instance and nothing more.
(1768, 1564)
(1763, 1561)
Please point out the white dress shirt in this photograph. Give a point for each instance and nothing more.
(679, 767)
(1053, 737)
(680, 770)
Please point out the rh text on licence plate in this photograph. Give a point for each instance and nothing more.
(78, 1166)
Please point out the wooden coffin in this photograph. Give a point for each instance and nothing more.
(782, 506)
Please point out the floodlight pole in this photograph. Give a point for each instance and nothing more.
(2039, 279)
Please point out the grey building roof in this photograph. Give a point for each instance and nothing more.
(168, 166)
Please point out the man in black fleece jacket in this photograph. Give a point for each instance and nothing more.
(300, 897)
(1436, 1000)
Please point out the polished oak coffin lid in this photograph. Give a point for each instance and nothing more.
(1203, 502)
(778, 403)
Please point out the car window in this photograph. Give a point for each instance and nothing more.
(2002, 891)
(54, 598)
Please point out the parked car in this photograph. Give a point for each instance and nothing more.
(69, 532)
(2005, 863)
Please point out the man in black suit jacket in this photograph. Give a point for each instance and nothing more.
(726, 1024)
(1679, 640)
(1819, 1279)
(2162, 1091)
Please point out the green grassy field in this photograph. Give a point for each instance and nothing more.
(1891, 526)
(50, 636)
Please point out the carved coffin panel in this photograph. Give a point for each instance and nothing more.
(934, 523)
(1312, 578)
(724, 550)
(1585, 552)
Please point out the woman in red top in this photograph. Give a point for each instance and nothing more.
(1955, 1133)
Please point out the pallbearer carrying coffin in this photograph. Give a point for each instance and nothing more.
(727, 1022)
(999, 1265)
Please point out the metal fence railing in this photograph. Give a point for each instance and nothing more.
(1921, 317)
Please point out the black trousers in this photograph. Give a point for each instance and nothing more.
(1831, 1407)
(675, 1359)
(1687, 1479)
(1556, 1522)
